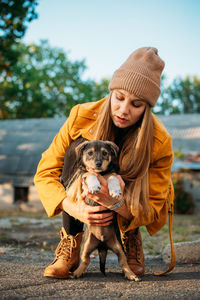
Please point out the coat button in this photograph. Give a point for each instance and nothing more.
(95, 115)
(91, 130)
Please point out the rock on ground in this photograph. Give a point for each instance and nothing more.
(186, 252)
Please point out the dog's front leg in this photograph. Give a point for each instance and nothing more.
(115, 246)
(114, 186)
(92, 182)
(90, 245)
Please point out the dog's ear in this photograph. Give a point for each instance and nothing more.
(113, 146)
(79, 149)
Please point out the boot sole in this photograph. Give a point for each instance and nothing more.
(56, 276)
(60, 277)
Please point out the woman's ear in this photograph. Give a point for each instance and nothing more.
(79, 149)
(114, 147)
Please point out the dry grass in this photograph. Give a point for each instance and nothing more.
(185, 228)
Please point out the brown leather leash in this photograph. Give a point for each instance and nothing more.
(173, 253)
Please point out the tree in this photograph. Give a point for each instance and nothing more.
(162, 104)
(165, 104)
(15, 15)
(181, 96)
(45, 83)
(186, 93)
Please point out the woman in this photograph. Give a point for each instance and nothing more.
(145, 159)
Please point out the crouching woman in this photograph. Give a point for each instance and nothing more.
(145, 159)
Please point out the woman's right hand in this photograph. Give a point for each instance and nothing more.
(90, 215)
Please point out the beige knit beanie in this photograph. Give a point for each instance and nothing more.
(140, 75)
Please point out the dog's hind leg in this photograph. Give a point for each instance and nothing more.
(90, 245)
(115, 246)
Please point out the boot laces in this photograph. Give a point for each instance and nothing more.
(65, 247)
(131, 246)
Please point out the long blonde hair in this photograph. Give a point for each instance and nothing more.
(134, 157)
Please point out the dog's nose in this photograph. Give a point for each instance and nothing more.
(98, 163)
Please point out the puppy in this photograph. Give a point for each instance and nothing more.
(97, 156)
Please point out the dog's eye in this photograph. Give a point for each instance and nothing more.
(90, 153)
(104, 153)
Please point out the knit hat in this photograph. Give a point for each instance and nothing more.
(140, 75)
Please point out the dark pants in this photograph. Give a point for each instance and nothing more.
(71, 225)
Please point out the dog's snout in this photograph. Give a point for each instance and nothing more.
(98, 163)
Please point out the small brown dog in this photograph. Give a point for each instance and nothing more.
(98, 156)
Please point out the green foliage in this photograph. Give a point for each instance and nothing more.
(183, 203)
(40, 81)
(178, 154)
(182, 96)
(15, 15)
(187, 93)
(45, 83)
(163, 105)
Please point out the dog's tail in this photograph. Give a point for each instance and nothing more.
(102, 249)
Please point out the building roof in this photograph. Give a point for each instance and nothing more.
(21, 145)
(23, 141)
(185, 131)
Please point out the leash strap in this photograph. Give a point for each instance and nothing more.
(173, 253)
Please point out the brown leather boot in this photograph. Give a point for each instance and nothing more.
(67, 256)
(132, 244)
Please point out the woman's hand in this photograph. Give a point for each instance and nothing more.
(90, 215)
(103, 197)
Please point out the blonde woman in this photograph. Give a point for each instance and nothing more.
(145, 160)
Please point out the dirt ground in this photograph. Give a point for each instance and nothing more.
(27, 243)
(21, 277)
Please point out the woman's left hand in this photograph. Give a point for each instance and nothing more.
(103, 197)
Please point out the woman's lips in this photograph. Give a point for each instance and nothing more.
(121, 120)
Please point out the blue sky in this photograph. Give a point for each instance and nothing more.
(106, 32)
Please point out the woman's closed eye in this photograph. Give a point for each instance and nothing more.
(137, 103)
(119, 98)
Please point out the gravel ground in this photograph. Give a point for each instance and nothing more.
(27, 244)
(21, 277)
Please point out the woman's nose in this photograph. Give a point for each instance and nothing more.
(124, 107)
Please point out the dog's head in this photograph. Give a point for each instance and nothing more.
(96, 155)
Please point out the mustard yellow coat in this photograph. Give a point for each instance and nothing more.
(82, 122)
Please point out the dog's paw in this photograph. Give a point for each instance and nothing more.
(114, 187)
(93, 184)
(78, 273)
(115, 193)
(132, 277)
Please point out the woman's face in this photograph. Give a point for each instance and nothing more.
(126, 108)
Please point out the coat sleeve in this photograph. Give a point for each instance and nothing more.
(47, 177)
(160, 189)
